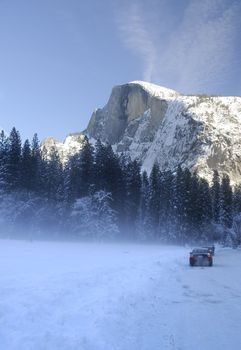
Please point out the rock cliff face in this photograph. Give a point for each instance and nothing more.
(153, 123)
(127, 103)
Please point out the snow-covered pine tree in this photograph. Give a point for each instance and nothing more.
(93, 217)
(106, 220)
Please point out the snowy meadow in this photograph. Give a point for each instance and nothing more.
(83, 296)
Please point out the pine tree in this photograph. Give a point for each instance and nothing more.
(177, 204)
(166, 190)
(27, 167)
(37, 163)
(153, 215)
(226, 202)
(133, 195)
(73, 172)
(52, 177)
(86, 162)
(3, 161)
(109, 176)
(186, 204)
(216, 200)
(79, 173)
(205, 210)
(144, 197)
(13, 164)
(105, 171)
(195, 216)
(93, 217)
(237, 200)
(100, 166)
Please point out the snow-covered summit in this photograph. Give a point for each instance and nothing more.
(155, 90)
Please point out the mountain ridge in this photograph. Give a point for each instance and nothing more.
(157, 124)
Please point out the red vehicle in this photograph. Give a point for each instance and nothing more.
(201, 257)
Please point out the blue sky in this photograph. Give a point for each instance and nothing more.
(59, 59)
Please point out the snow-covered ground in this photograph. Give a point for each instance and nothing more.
(73, 296)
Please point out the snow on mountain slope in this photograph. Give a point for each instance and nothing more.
(73, 296)
(72, 145)
(200, 133)
(153, 123)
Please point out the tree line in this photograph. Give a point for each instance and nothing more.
(98, 194)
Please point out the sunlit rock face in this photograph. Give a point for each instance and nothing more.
(127, 103)
(156, 124)
(72, 145)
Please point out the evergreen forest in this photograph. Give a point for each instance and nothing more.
(99, 195)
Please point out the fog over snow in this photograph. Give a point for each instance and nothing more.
(82, 296)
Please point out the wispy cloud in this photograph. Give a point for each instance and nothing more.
(137, 37)
(191, 48)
